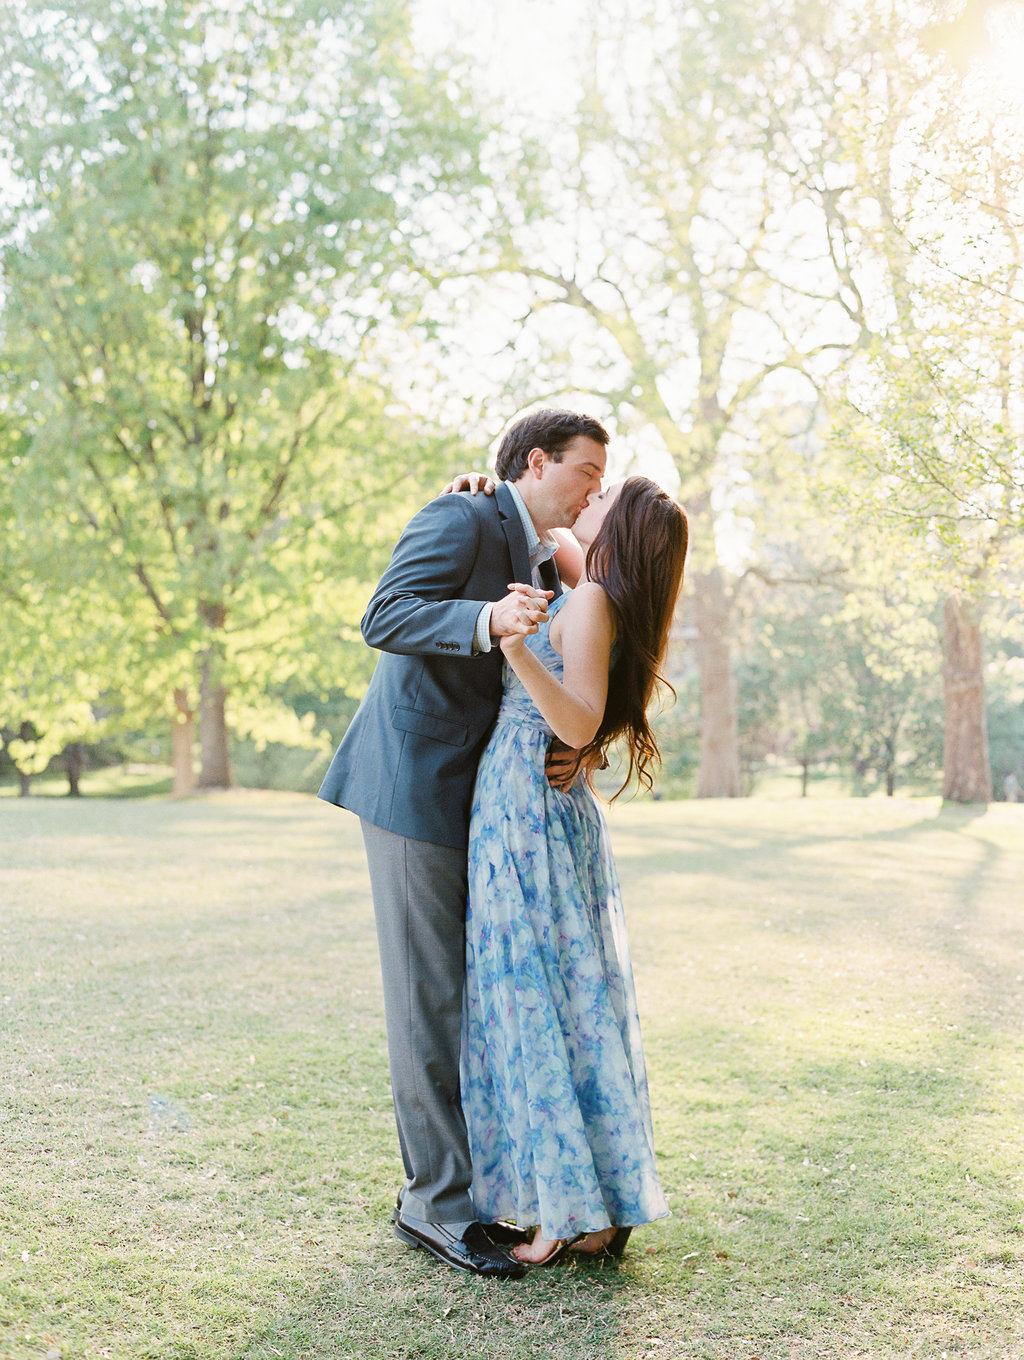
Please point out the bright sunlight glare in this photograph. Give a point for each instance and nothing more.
(1000, 72)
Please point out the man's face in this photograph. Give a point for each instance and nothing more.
(562, 489)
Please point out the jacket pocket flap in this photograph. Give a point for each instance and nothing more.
(430, 725)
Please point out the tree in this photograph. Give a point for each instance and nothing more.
(838, 665)
(214, 211)
(934, 405)
(664, 261)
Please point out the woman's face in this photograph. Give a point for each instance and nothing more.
(591, 517)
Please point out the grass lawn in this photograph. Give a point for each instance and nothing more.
(198, 1154)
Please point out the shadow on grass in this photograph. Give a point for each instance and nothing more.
(751, 840)
(400, 1304)
(864, 1193)
(820, 1209)
(922, 881)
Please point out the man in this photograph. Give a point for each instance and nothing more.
(457, 582)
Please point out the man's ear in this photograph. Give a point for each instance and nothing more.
(535, 461)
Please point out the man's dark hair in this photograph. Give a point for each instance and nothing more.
(547, 430)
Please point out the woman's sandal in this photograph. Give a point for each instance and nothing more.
(615, 1245)
(555, 1254)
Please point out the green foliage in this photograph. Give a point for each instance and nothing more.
(850, 682)
(717, 257)
(212, 218)
(931, 409)
(775, 242)
(1006, 717)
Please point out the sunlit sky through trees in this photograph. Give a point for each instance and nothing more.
(532, 58)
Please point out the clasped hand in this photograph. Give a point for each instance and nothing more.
(520, 613)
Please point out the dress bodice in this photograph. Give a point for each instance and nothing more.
(516, 704)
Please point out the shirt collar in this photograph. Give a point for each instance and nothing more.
(540, 548)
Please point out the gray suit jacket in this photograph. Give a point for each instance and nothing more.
(408, 760)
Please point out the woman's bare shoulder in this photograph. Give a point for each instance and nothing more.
(588, 607)
(589, 595)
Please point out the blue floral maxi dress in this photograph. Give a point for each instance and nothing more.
(554, 1086)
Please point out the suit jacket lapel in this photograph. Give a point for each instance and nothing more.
(549, 577)
(514, 533)
(516, 538)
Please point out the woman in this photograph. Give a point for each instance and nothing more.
(553, 1080)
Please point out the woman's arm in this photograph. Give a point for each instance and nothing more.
(573, 707)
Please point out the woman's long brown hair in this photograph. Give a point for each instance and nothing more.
(638, 558)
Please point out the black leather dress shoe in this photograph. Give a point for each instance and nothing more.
(473, 1251)
(501, 1234)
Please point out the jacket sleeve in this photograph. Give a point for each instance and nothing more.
(415, 609)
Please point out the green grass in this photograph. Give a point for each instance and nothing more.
(198, 1155)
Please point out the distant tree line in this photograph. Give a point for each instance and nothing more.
(270, 274)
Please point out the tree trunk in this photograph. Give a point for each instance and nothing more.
(182, 738)
(214, 746)
(966, 777)
(74, 764)
(26, 732)
(719, 775)
(889, 745)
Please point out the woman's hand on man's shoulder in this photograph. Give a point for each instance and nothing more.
(471, 482)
